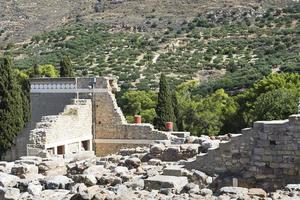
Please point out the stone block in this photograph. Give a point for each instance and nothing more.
(161, 181)
(234, 190)
(175, 170)
(7, 180)
(257, 192)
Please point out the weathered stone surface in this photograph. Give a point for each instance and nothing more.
(58, 182)
(120, 170)
(133, 162)
(34, 188)
(22, 169)
(293, 187)
(174, 170)
(171, 154)
(7, 180)
(257, 192)
(234, 190)
(53, 167)
(160, 181)
(58, 194)
(9, 193)
(157, 149)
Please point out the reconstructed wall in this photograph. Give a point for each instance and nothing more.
(67, 130)
(113, 132)
(267, 155)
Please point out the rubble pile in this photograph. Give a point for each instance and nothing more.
(140, 173)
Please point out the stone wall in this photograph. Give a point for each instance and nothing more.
(267, 155)
(113, 130)
(63, 133)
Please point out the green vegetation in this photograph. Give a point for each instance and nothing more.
(139, 103)
(244, 46)
(66, 69)
(164, 109)
(274, 97)
(14, 103)
(42, 71)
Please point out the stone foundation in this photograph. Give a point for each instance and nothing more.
(267, 155)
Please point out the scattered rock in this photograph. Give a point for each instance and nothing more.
(7, 180)
(160, 181)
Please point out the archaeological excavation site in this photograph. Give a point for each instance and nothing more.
(79, 146)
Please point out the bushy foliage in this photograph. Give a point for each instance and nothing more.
(42, 71)
(14, 104)
(139, 103)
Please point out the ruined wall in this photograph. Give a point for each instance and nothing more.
(113, 132)
(68, 129)
(42, 104)
(267, 155)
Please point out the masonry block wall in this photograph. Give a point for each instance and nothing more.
(65, 133)
(267, 155)
(112, 132)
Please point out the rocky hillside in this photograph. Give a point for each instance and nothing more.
(21, 19)
(242, 44)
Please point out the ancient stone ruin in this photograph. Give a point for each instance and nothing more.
(79, 146)
(93, 118)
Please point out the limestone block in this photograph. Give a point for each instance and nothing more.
(7, 180)
(9, 193)
(257, 192)
(174, 170)
(22, 169)
(234, 190)
(161, 181)
(58, 182)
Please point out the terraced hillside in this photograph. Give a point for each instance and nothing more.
(21, 19)
(236, 43)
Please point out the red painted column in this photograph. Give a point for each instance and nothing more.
(138, 119)
(169, 126)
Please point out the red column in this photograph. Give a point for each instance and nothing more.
(169, 126)
(138, 119)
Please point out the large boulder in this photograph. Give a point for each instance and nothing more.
(9, 193)
(59, 194)
(157, 149)
(87, 179)
(53, 167)
(160, 181)
(23, 170)
(6, 166)
(34, 188)
(58, 182)
(171, 154)
(133, 162)
(120, 170)
(7, 180)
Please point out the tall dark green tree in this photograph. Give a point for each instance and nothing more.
(36, 71)
(11, 109)
(164, 108)
(66, 68)
(177, 113)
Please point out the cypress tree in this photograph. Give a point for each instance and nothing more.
(66, 69)
(11, 110)
(164, 108)
(179, 121)
(36, 71)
